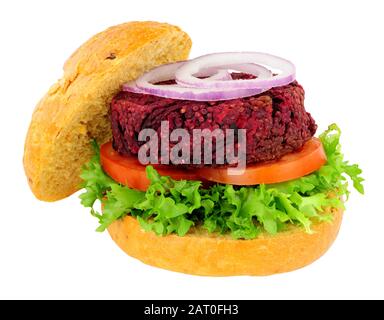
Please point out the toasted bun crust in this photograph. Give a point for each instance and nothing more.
(75, 109)
(199, 253)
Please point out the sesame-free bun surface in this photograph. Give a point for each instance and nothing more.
(75, 109)
(199, 253)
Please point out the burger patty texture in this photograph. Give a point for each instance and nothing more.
(276, 122)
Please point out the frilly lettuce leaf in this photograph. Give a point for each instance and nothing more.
(170, 206)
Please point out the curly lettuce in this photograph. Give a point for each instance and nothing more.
(170, 206)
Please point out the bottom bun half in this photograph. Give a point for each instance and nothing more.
(200, 253)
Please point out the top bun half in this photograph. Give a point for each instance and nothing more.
(76, 108)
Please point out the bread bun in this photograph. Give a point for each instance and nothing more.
(203, 254)
(75, 109)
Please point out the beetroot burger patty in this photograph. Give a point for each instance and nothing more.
(276, 120)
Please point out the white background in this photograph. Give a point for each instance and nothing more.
(50, 250)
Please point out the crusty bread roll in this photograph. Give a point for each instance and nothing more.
(75, 109)
(203, 254)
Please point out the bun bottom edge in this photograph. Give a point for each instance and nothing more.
(209, 255)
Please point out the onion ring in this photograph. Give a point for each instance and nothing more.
(185, 74)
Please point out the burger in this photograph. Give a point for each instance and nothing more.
(208, 166)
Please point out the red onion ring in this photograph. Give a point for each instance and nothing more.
(175, 91)
(145, 84)
(208, 78)
(185, 75)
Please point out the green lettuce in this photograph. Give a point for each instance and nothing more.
(170, 206)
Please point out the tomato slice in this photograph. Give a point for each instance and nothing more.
(291, 166)
(128, 171)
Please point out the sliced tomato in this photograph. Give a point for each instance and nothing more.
(292, 166)
(129, 171)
